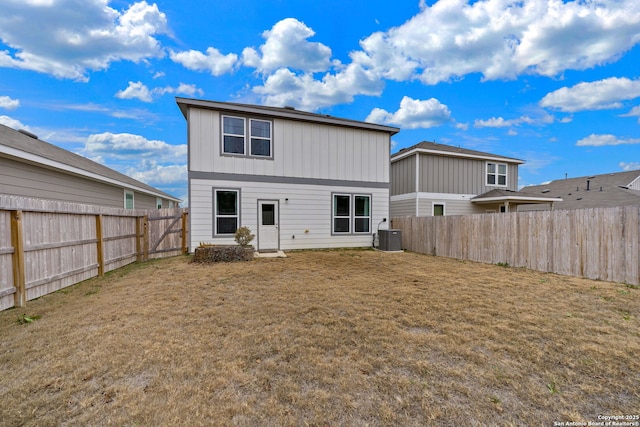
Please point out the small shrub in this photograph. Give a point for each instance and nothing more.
(243, 236)
(503, 264)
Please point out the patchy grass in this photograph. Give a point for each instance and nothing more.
(323, 338)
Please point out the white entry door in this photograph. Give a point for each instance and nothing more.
(268, 234)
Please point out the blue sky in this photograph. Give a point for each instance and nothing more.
(554, 83)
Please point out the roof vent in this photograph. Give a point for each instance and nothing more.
(29, 134)
(545, 191)
(289, 107)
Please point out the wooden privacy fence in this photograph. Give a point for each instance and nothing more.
(593, 243)
(48, 245)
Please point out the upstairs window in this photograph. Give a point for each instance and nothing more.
(233, 135)
(260, 138)
(250, 137)
(497, 174)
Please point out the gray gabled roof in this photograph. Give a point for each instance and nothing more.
(282, 112)
(606, 190)
(428, 147)
(29, 148)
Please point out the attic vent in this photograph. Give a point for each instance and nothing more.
(289, 107)
(545, 191)
(29, 134)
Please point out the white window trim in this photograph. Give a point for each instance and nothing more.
(497, 174)
(433, 208)
(247, 137)
(244, 136)
(368, 196)
(270, 139)
(334, 216)
(133, 199)
(215, 210)
(352, 214)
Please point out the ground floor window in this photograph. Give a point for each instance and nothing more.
(226, 211)
(128, 199)
(351, 213)
(438, 209)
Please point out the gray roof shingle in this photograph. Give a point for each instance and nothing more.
(606, 190)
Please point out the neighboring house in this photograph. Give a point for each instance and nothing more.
(597, 191)
(31, 167)
(430, 179)
(297, 180)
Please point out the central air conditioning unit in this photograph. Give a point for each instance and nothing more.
(390, 240)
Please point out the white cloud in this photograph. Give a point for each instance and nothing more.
(499, 122)
(286, 88)
(286, 46)
(629, 166)
(413, 114)
(502, 39)
(65, 38)
(182, 89)
(135, 90)
(152, 173)
(12, 123)
(153, 162)
(123, 146)
(9, 104)
(635, 112)
(138, 90)
(211, 61)
(599, 95)
(594, 140)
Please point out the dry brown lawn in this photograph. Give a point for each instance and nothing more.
(347, 337)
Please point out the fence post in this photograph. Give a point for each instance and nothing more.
(100, 253)
(185, 248)
(17, 239)
(145, 238)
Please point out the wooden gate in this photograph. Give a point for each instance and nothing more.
(165, 233)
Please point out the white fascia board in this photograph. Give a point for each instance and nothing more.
(23, 155)
(518, 199)
(452, 154)
(432, 196)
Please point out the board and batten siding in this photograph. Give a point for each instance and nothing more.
(403, 176)
(300, 150)
(28, 180)
(442, 174)
(304, 219)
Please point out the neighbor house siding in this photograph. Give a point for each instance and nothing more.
(402, 207)
(23, 179)
(304, 212)
(28, 180)
(300, 150)
(403, 176)
(443, 174)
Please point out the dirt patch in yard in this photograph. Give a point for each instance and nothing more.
(349, 337)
